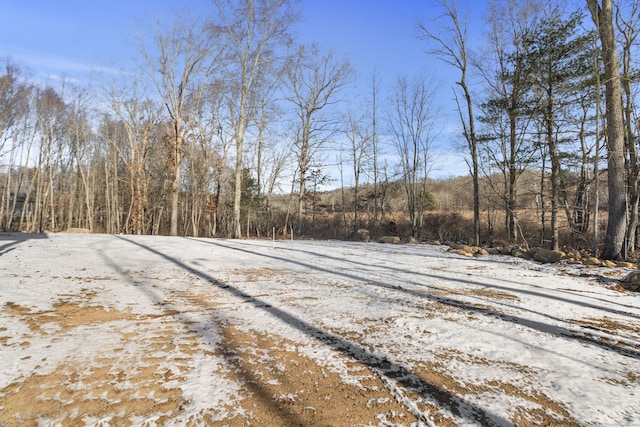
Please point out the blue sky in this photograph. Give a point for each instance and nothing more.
(373, 34)
(71, 38)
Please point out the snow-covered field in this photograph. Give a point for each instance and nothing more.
(123, 330)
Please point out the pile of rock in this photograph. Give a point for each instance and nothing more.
(466, 250)
(541, 255)
(631, 282)
(389, 239)
(79, 230)
(362, 235)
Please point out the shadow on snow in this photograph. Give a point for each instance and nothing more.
(13, 239)
(386, 369)
(626, 349)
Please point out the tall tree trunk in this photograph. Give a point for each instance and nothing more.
(175, 186)
(453, 50)
(301, 195)
(555, 172)
(239, 140)
(374, 143)
(617, 225)
(237, 196)
(595, 242)
(631, 149)
(475, 170)
(513, 161)
(543, 209)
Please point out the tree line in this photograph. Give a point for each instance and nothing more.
(226, 127)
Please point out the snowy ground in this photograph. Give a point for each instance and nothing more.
(123, 330)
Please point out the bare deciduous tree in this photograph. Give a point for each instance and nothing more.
(359, 137)
(179, 61)
(14, 112)
(314, 83)
(412, 127)
(452, 49)
(254, 31)
(628, 24)
(80, 207)
(375, 150)
(138, 117)
(51, 112)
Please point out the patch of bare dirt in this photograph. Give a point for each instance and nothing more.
(68, 312)
(537, 408)
(544, 412)
(280, 386)
(72, 393)
(492, 294)
(255, 274)
(286, 388)
(628, 379)
(440, 393)
(607, 324)
(119, 386)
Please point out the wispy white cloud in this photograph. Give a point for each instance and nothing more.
(47, 66)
